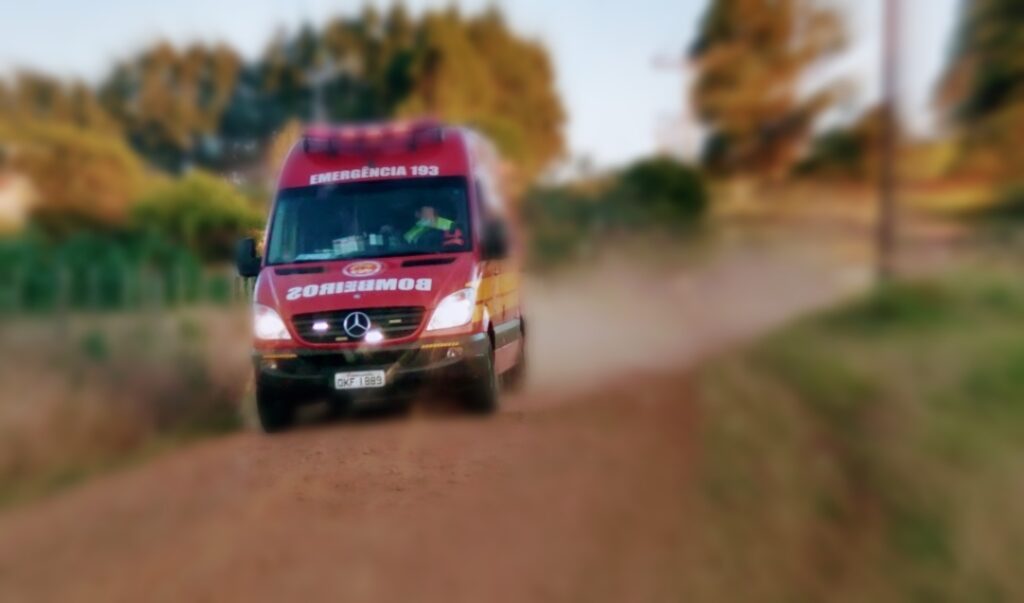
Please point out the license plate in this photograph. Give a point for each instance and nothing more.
(359, 380)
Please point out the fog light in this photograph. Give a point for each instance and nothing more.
(374, 336)
(453, 353)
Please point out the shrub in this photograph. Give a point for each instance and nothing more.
(662, 191)
(654, 196)
(200, 212)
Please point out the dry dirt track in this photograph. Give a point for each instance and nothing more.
(577, 490)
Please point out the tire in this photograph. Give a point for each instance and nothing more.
(482, 396)
(276, 414)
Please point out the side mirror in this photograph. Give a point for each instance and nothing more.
(246, 260)
(494, 242)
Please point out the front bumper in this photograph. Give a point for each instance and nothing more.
(304, 374)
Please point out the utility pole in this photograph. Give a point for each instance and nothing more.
(885, 250)
(679, 133)
(318, 79)
(327, 71)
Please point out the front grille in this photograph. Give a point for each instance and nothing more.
(393, 323)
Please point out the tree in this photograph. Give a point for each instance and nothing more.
(36, 97)
(478, 71)
(171, 102)
(471, 70)
(204, 106)
(59, 139)
(367, 57)
(983, 90)
(81, 177)
(751, 57)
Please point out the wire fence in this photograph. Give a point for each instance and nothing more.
(41, 285)
(110, 277)
(97, 290)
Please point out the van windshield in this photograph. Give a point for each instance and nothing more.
(370, 220)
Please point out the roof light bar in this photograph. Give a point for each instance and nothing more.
(371, 137)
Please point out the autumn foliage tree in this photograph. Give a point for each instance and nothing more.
(81, 176)
(477, 71)
(36, 97)
(170, 102)
(205, 106)
(751, 57)
(982, 92)
(89, 152)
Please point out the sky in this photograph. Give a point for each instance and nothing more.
(616, 60)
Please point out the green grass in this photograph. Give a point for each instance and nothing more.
(876, 452)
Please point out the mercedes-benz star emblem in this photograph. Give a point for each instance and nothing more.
(356, 324)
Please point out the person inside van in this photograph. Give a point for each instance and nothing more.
(429, 224)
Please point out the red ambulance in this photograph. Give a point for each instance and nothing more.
(387, 266)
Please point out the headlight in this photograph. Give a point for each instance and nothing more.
(268, 325)
(455, 310)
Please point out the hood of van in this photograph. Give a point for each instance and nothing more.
(420, 281)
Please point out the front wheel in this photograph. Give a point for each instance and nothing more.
(275, 412)
(482, 396)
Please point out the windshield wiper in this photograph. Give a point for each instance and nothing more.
(397, 254)
(306, 261)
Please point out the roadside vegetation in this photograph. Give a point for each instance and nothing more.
(869, 454)
(653, 199)
(873, 453)
(88, 394)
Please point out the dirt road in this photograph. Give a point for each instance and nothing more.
(577, 490)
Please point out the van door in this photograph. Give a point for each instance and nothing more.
(490, 287)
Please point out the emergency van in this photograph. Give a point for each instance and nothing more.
(387, 265)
